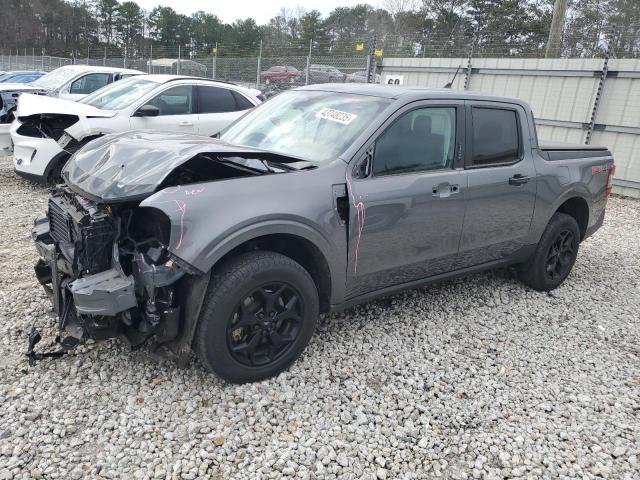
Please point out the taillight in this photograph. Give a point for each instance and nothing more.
(610, 174)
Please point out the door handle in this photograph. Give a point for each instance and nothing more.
(186, 124)
(445, 190)
(519, 179)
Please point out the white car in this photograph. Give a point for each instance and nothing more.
(48, 130)
(72, 82)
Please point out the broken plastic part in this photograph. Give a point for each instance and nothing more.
(105, 293)
(35, 337)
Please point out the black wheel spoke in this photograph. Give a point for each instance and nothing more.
(277, 340)
(245, 318)
(289, 310)
(248, 347)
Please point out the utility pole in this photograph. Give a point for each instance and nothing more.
(555, 34)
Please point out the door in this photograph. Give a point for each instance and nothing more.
(177, 111)
(406, 213)
(86, 84)
(218, 107)
(502, 183)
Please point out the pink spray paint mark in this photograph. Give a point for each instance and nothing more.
(194, 191)
(182, 206)
(360, 215)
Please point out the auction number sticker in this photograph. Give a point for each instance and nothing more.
(334, 115)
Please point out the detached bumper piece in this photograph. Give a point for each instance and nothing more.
(106, 293)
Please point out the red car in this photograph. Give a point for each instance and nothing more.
(280, 74)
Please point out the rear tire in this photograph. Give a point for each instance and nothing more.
(258, 316)
(555, 254)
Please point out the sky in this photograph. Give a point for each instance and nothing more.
(260, 10)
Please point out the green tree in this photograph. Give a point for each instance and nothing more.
(169, 28)
(312, 28)
(107, 13)
(346, 26)
(206, 30)
(129, 23)
(625, 15)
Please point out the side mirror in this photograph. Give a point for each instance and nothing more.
(147, 111)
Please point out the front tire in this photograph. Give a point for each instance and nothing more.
(258, 316)
(555, 254)
(55, 174)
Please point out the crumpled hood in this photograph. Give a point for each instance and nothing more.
(30, 104)
(130, 166)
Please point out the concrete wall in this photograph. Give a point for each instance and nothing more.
(562, 93)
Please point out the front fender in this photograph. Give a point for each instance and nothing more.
(90, 127)
(210, 219)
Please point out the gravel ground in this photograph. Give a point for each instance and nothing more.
(473, 378)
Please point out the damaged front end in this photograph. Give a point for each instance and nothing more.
(110, 241)
(107, 270)
(9, 94)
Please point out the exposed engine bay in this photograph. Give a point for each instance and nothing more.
(46, 125)
(106, 269)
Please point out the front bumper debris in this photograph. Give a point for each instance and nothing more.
(106, 293)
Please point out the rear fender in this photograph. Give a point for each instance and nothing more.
(544, 211)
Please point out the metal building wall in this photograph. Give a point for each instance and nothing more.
(562, 93)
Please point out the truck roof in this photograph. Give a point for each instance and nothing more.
(406, 92)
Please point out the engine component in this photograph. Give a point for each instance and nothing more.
(85, 233)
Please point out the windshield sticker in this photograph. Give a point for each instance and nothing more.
(345, 118)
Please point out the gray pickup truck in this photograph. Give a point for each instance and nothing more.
(321, 198)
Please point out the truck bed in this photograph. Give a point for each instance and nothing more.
(564, 151)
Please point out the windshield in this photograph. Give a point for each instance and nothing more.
(23, 78)
(56, 78)
(314, 126)
(120, 94)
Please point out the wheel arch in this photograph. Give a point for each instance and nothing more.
(577, 207)
(66, 154)
(295, 246)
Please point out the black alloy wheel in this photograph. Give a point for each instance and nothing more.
(258, 316)
(561, 255)
(554, 256)
(265, 324)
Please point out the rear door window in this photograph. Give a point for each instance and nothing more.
(496, 137)
(216, 100)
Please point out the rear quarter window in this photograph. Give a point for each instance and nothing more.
(241, 102)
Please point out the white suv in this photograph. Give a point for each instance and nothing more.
(71, 82)
(48, 130)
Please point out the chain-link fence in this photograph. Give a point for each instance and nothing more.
(273, 65)
(265, 68)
